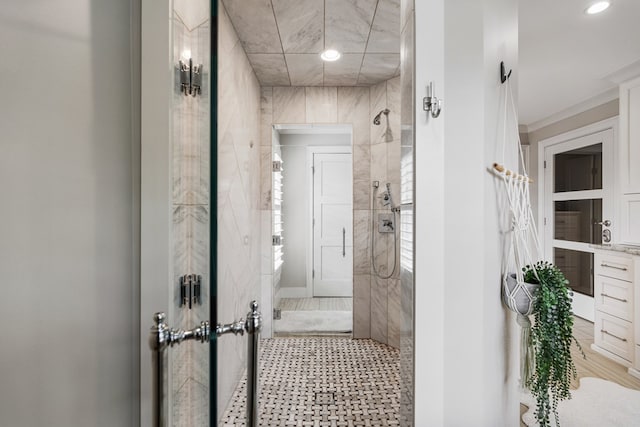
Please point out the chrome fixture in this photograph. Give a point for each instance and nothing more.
(606, 232)
(387, 199)
(386, 224)
(376, 119)
(430, 103)
(162, 336)
(190, 290)
(190, 77)
(253, 325)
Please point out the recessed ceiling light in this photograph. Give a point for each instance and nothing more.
(330, 55)
(598, 7)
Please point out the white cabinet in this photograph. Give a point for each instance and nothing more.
(614, 290)
(614, 335)
(636, 317)
(630, 217)
(629, 161)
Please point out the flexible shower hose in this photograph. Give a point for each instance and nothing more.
(373, 240)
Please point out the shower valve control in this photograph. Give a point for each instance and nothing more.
(385, 223)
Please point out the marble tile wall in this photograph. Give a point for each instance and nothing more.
(239, 189)
(385, 168)
(407, 90)
(189, 363)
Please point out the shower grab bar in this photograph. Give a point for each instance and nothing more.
(162, 336)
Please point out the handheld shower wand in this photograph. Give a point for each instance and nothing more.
(389, 197)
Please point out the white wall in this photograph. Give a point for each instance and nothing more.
(155, 213)
(465, 340)
(68, 231)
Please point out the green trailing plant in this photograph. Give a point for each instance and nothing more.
(551, 336)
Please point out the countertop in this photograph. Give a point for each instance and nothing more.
(629, 249)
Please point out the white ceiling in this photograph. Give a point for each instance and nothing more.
(284, 38)
(567, 57)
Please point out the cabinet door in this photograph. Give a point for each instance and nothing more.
(615, 297)
(630, 218)
(614, 335)
(630, 136)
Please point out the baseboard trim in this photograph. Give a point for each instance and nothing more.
(634, 373)
(615, 358)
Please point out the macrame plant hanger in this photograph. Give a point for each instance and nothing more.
(524, 246)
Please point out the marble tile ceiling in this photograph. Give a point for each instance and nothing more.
(284, 38)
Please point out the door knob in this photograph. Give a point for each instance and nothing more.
(605, 223)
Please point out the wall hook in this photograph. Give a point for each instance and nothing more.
(430, 103)
(503, 75)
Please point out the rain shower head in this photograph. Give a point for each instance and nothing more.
(376, 119)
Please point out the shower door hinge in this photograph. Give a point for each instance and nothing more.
(190, 77)
(276, 240)
(276, 166)
(190, 290)
(277, 314)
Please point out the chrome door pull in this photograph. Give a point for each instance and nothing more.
(605, 223)
(162, 336)
(604, 331)
(612, 297)
(344, 236)
(613, 266)
(234, 328)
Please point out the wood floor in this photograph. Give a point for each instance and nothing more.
(595, 365)
(316, 304)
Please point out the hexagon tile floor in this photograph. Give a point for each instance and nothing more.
(323, 382)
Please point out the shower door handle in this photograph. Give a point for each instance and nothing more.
(163, 337)
(344, 236)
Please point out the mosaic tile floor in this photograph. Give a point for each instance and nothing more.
(323, 382)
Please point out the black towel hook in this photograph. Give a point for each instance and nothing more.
(503, 75)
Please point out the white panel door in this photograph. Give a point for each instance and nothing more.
(332, 225)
